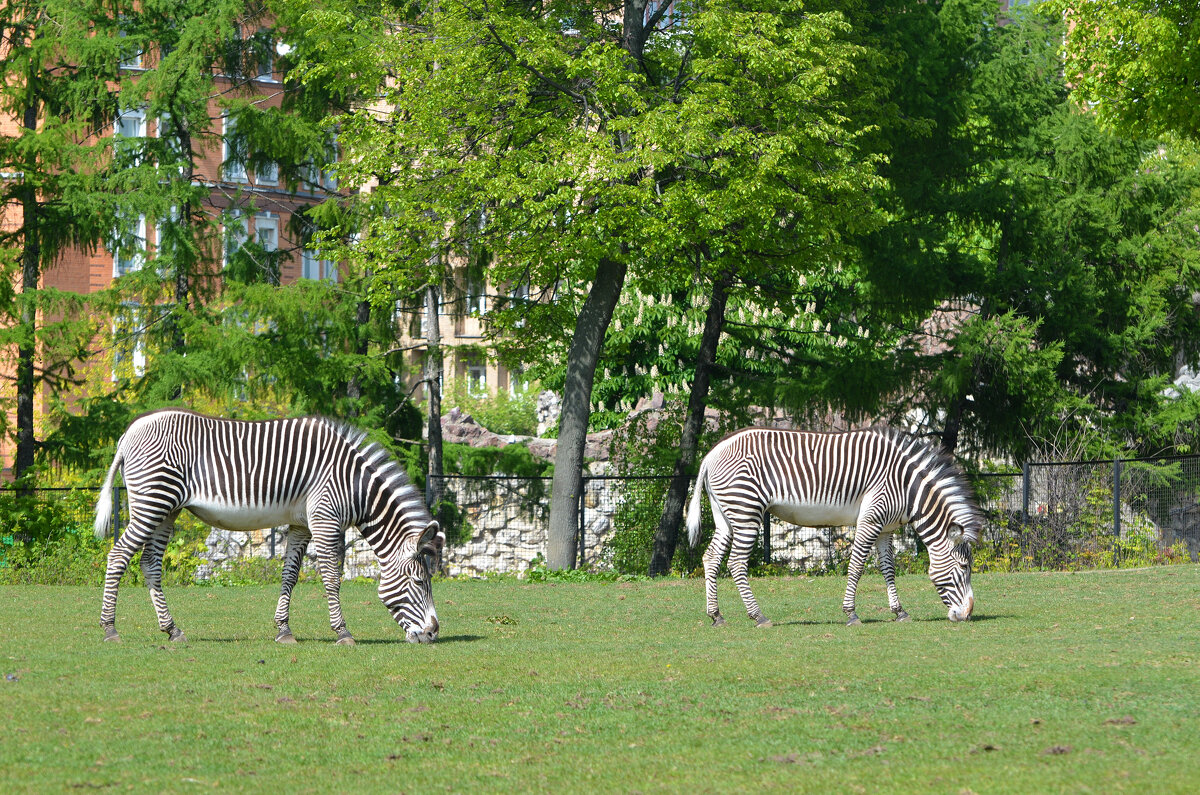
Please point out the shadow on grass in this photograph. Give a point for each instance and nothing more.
(332, 641)
(912, 619)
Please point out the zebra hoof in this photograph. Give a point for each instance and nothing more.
(762, 622)
(175, 635)
(110, 634)
(286, 637)
(344, 638)
(853, 620)
(718, 620)
(902, 616)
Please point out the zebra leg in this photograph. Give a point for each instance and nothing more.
(329, 564)
(858, 558)
(744, 536)
(887, 564)
(152, 558)
(297, 543)
(137, 532)
(712, 565)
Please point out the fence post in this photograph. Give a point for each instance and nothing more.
(1025, 493)
(766, 544)
(1116, 510)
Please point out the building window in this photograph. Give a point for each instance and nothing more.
(311, 267)
(476, 296)
(520, 297)
(129, 248)
(129, 344)
(235, 234)
(518, 383)
(234, 165)
(266, 231)
(131, 123)
(131, 54)
(266, 55)
(268, 174)
(476, 377)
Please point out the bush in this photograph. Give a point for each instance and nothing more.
(502, 412)
(47, 538)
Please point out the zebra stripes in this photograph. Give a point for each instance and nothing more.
(876, 479)
(313, 474)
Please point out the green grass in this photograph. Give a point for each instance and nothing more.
(1085, 682)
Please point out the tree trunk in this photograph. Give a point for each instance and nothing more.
(666, 537)
(582, 359)
(433, 383)
(31, 256)
(182, 258)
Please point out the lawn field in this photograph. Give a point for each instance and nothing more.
(1085, 682)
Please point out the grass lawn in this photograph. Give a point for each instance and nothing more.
(1085, 682)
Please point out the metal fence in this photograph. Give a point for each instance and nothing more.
(1048, 512)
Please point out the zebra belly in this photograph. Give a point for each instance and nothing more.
(815, 514)
(248, 517)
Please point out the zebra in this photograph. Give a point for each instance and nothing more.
(314, 474)
(876, 479)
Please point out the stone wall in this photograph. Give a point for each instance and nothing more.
(508, 533)
(227, 546)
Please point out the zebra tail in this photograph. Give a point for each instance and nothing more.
(104, 504)
(693, 517)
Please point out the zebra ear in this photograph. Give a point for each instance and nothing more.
(964, 535)
(432, 540)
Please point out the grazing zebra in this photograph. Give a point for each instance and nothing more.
(314, 474)
(876, 479)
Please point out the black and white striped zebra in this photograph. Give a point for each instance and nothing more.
(316, 475)
(875, 479)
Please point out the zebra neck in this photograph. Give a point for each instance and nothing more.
(392, 514)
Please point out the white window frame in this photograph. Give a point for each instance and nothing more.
(236, 234)
(233, 170)
(126, 260)
(267, 223)
(125, 319)
(477, 303)
(268, 75)
(136, 118)
(312, 267)
(519, 294)
(135, 61)
(477, 383)
(268, 174)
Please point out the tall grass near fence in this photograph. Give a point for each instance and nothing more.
(1086, 682)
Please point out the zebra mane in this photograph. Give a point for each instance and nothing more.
(377, 458)
(944, 469)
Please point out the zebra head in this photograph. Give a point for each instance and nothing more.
(950, 570)
(406, 589)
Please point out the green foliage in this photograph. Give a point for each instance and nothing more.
(47, 539)
(502, 413)
(539, 572)
(1133, 63)
(511, 459)
(1036, 258)
(247, 572)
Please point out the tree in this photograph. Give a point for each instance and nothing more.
(585, 148)
(54, 83)
(1060, 279)
(1135, 63)
(205, 304)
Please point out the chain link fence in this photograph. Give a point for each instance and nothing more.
(1051, 515)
